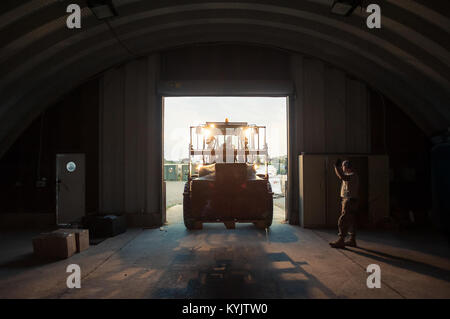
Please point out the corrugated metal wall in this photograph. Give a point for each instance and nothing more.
(131, 142)
(329, 113)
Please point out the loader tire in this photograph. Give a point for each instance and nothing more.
(268, 216)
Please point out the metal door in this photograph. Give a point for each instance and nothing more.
(70, 188)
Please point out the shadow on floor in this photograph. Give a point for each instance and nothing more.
(425, 241)
(404, 263)
(26, 261)
(234, 276)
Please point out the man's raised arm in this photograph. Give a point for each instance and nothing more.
(338, 170)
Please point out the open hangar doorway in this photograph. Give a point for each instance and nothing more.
(182, 112)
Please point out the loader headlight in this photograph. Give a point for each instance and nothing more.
(206, 132)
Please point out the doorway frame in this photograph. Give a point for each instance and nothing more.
(213, 89)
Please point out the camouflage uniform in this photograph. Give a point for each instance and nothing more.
(349, 208)
(347, 220)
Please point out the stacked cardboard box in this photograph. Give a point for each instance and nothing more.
(59, 245)
(81, 237)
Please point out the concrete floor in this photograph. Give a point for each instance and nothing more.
(285, 262)
(174, 193)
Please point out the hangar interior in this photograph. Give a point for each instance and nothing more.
(379, 95)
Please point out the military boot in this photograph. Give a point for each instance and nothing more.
(339, 243)
(351, 242)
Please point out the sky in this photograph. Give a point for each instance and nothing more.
(182, 112)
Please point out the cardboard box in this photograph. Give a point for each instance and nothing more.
(81, 237)
(55, 245)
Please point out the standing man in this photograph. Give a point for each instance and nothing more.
(349, 197)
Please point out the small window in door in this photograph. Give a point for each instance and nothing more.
(71, 167)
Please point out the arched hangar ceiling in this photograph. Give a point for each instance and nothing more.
(408, 59)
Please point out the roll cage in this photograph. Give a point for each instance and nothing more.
(227, 142)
